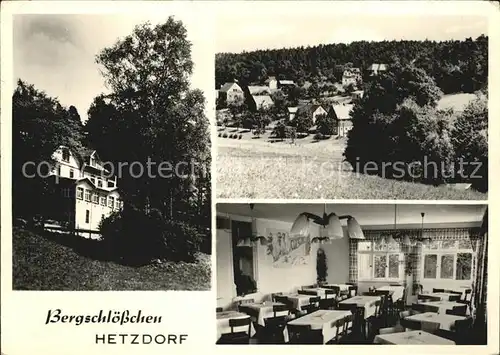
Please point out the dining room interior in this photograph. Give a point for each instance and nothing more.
(343, 273)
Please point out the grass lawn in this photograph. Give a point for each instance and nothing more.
(40, 263)
(256, 168)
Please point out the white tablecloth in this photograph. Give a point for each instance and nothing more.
(223, 323)
(324, 320)
(414, 337)
(261, 311)
(342, 287)
(319, 291)
(298, 301)
(446, 321)
(443, 306)
(397, 291)
(363, 301)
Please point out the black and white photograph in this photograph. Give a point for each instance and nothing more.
(315, 103)
(312, 273)
(111, 179)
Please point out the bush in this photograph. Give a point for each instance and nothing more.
(220, 134)
(318, 136)
(224, 135)
(137, 238)
(240, 136)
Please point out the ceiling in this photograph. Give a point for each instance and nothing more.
(367, 214)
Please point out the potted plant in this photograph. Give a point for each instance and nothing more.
(321, 267)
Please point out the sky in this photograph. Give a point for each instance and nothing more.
(56, 53)
(268, 31)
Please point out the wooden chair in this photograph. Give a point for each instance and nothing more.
(273, 295)
(302, 334)
(313, 305)
(436, 290)
(467, 300)
(457, 311)
(396, 284)
(218, 309)
(377, 320)
(240, 337)
(463, 330)
(427, 298)
(310, 293)
(418, 307)
(308, 286)
(330, 302)
(340, 325)
(274, 326)
(353, 291)
(410, 324)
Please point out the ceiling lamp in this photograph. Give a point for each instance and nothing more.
(330, 223)
(424, 241)
(254, 239)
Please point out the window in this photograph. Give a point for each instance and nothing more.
(111, 183)
(448, 260)
(92, 161)
(87, 195)
(87, 216)
(99, 182)
(92, 179)
(380, 261)
(71, 173)
(59, 170)
(79, 193)
(111, 202)
(95, 198)
(65, 192)
(117, 204)
(65, 155)
(103, 200)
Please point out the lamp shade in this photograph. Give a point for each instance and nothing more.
(354, 229)
(300, 226)
(333, 229)
(390, 240)
(406, 240)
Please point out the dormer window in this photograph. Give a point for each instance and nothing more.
(92, 161)
(65, 155)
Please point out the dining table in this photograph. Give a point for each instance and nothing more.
(445, 321)
(324, 320)
(319, 291)
(223, 323)
(413, 337)
(259, 311)
(395, 291)
(366, 302)
(442, 306)
(297, 301)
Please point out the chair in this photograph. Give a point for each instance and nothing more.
(410, 324)
(340, 325)
(245, 301)
(242, 337)
(310, 293)
(218, 309)
(274, 326)
(376, 321)
(437, 290)
(454, 292)
(302, 334)
(457, 311)
(308, 286)
(313, 305)
(273, 295)
(463, 331)
(396, 329)
(418, 307)
(353, 291)
(396, 284)
(427, 298)
(467, 299)
(330, 301)
(429, 327)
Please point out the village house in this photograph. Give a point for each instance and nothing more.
(341, 115)
(286, 83)
(272, 83)
(260, 102)
(357, 94)
(83, 192)
(377, 68)
(351, 76)
(232, 93)
(258, 90)
(311, 110)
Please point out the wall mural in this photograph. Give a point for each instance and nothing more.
(286, 250)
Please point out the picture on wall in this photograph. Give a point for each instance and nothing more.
(286, 250)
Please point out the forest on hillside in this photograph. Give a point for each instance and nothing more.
(456, 66)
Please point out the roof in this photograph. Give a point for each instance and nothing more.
(270, 78)
(351, 72)
(261, 100)
(309, 108)
(286, 82)
(378, 67)
(258, 89)
(292, 109)
(87, 180)
(343, 111)
(227, 86)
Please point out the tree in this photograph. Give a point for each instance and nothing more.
(279, 131)
(376, 125)
(325, 124)
(153, 116)
(302, 121)
(40, 124)
(470, 141)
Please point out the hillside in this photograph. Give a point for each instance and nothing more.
(51, 262)
(455, 65)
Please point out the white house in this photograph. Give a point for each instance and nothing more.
(342, 118)
(272, 83)
(376, 68)
(258, 90)
(260, 102)
(84, 191)
(351, 76)
(233, 93)
(312, 110)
